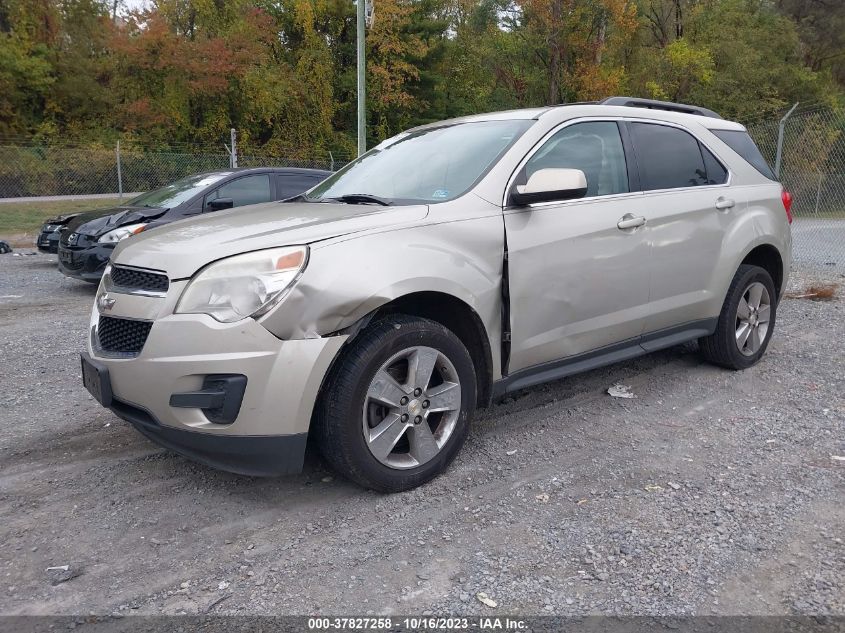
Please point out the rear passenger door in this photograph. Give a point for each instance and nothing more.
(688, 209)
(252, 189)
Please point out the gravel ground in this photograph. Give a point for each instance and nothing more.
(711, 492)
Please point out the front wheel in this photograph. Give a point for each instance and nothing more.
(397, 406)
(746, 322)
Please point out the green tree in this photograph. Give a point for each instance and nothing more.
(28, 31)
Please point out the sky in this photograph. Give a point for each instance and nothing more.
(132, 5)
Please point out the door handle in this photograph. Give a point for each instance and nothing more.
(630, 221)
(724, 203)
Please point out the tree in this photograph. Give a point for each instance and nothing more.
(821, 26)
(739, 57)
(28, 30)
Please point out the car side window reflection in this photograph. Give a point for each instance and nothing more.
(593, 147)
(243, 191)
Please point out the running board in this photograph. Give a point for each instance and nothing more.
(601, 357)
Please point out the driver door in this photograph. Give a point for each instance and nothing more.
(577, 281)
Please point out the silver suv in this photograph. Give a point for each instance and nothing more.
(446, 267)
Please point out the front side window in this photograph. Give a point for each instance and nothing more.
(424, 166)
(243, 191)
(593, 147)
(669, 158)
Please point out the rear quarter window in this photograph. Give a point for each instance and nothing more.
(740, 142)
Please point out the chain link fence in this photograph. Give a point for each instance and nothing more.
(32, 170)
(810, 145)
(812, 168)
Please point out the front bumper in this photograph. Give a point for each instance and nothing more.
(48, 242)
(86, 264)
(254, 455)
(283, 379)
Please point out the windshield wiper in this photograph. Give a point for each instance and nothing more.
(361, 198)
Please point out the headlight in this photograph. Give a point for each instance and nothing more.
(118, 234)
(244, 285)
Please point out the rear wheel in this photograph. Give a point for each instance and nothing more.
(396, 409)
(746, 322)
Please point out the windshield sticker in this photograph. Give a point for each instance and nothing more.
(440, 193)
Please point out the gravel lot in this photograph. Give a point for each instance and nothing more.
(712, 492)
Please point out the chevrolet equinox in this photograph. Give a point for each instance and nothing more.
(444, 268)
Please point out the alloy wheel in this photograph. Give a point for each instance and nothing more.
(411, 407)
(752, 318)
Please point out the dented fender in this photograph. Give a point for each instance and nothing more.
(763, 222)
(348, 278)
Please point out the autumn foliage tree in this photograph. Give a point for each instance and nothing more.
(283, 71)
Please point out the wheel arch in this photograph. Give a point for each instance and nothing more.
(767, 257)
(452, 313)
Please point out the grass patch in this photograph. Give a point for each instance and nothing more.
(27, 217)
(821, 215)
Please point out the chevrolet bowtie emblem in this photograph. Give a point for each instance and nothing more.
(105, 302)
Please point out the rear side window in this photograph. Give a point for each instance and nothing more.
(243, 191)
(716, 172)
(289, 185)
(741, 143)
(669, 158)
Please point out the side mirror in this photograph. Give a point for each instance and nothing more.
(548, 185)
(219, 204)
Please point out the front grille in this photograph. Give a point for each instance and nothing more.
(76, 241)
(133, 279)
(122, 335)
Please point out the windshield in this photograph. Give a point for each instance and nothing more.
(176, 193)
(431, 165)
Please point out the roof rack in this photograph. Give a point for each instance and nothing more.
(653, 104)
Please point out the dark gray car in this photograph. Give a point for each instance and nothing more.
(87, 240)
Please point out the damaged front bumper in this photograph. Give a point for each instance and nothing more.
(230, 395)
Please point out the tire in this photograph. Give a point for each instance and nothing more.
(353, 403)
(723, 347)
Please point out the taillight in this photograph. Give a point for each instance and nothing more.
(786, 198)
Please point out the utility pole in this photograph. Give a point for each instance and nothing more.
(233, 158)
(362, 65)
(781, 134)
(119, 172)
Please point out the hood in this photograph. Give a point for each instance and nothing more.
(96, 223)
(61, 219)
(181, 248)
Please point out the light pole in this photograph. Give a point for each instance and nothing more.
(362, 96)
(364, 20)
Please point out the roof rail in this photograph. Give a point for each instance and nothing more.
(653, 104)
